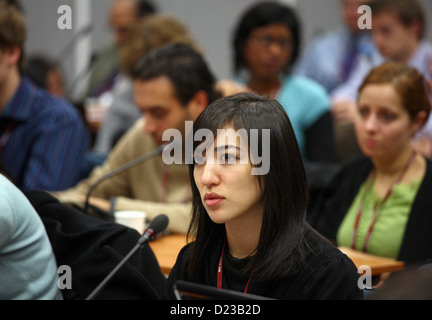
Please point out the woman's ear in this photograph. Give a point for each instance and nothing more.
(418, 122)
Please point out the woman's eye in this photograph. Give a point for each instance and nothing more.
(228, 158)
(158, 114)
(387, 117)
(363, 112)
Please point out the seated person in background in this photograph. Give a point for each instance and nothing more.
(28, 268)
(330, 60)
(43, 139)
(46, 74)
(248, 221)
(104, 68)
(266, 45)
(330, 57)
(151, 32)
(398, 32)
(172, 84)
(380, 202)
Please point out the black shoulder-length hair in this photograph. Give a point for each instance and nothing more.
(284, 187)
(262, 14)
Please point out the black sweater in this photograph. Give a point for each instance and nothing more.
(327, 274)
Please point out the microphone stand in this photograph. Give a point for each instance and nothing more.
(102, 285)
(121, 169)
(156, 226)
(67, 50)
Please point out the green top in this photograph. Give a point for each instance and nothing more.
(389, 229)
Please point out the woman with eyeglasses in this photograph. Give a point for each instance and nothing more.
(266, 45)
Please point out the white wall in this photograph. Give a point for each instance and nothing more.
(211, 22)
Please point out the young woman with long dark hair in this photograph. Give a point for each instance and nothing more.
(248, 226)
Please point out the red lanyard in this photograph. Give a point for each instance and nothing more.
(220, 269)
(164, 183)
(377, 205)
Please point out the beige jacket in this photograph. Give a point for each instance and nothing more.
(142, 187)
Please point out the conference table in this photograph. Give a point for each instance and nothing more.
(377, 264)
(166, 248)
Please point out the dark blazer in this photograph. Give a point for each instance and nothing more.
(328, 211)
(93, 247)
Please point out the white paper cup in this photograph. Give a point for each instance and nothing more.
(132, 219)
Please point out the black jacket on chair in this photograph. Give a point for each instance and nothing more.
(92, 248)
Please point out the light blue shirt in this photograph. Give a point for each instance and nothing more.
(305, 101)
(28, 269)
(420, 60)
(323, 59)
(121, 115)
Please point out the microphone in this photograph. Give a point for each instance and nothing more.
(121, 169)
(157, 225)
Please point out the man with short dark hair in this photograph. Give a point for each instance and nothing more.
(172, 85)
